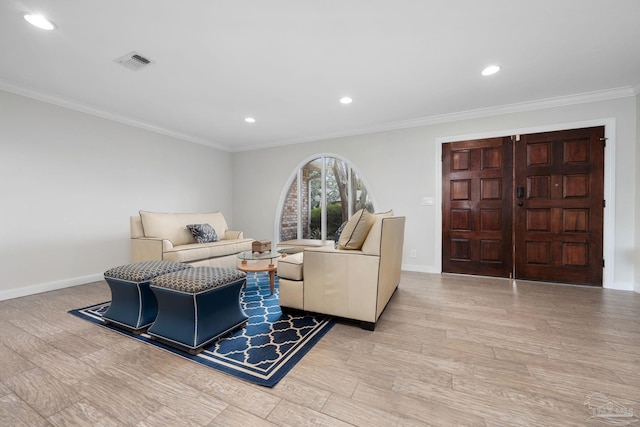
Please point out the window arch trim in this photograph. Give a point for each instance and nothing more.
(296, 174)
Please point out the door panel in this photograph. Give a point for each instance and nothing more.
(477, 204)
(558, 228)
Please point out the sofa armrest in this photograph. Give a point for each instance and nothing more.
(148, 248)
(341, 283)
(233, 235)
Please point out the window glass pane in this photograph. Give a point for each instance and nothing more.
(289, 218)
(337, 189)
(312, 196)
(360, 197)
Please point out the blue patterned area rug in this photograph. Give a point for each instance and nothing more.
(263, 351)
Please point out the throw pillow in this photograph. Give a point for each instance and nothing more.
(356, 230)
(203, 233)
(336, 237)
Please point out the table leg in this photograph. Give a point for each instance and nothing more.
(272, 280)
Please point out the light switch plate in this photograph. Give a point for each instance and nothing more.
(428, 201)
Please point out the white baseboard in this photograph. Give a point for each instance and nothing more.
(51, 286)
(420, 268)
(620, 286)
(61, 284)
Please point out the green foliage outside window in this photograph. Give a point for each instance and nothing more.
(334, 220)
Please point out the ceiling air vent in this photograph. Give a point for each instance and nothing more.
(133, 61)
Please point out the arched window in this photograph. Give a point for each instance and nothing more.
(322, 194)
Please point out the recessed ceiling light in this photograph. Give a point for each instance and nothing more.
(346, 100)
(491, 69)
(39, 21)
(250, 120)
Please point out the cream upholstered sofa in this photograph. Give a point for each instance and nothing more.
(350, 283)
(165, 236)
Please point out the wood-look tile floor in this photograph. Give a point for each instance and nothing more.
(448, 350)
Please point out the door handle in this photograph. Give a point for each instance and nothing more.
(520, 195)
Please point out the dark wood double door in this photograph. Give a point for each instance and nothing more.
(530, 207)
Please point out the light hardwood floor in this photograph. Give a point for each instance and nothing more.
(448, 350)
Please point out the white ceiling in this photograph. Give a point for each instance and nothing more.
(288, 62)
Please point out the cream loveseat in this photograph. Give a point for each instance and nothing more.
(350, 283)
(165, 236)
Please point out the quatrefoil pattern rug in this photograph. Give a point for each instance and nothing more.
(261, 352)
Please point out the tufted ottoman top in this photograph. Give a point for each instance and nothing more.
(145, 270)
(198, 279)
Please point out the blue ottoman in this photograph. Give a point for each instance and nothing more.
(133, 304)
(197, 305)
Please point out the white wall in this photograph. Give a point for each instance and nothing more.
(400, 169)
(69, 182)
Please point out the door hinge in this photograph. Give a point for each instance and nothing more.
(604, 203)
(602, 263)
(604, 141)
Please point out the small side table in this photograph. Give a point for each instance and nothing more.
(260, 267)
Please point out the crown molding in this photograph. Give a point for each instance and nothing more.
(83, 108)
(541, 104)
(581, 98)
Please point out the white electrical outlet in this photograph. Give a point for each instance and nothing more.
(413, 253)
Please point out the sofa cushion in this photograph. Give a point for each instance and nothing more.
(173, 226)
(371, 245)
(355, 232)
(290, 267)
(199, 251)
(203, 233)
